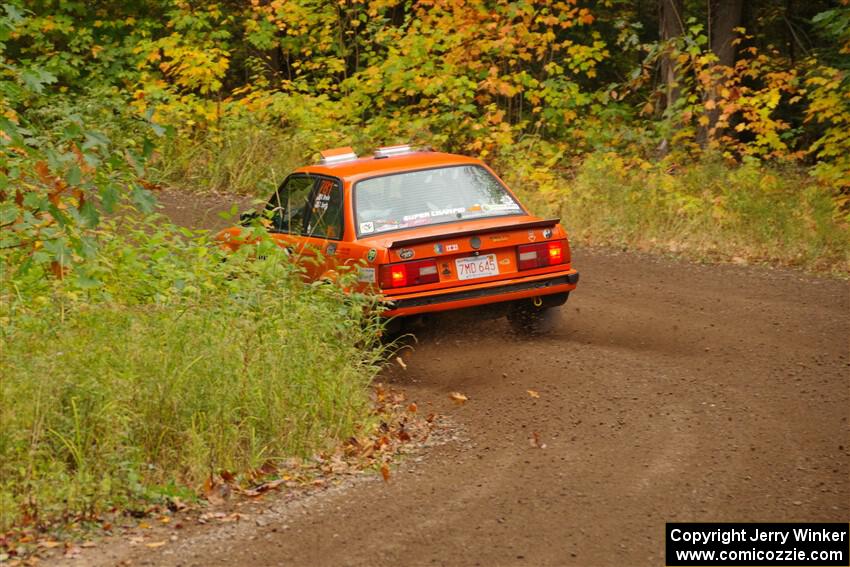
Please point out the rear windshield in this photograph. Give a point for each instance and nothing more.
(431, 196)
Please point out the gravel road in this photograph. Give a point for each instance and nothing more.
(664, 391)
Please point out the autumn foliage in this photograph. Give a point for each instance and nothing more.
(636, 136)
(533, 85)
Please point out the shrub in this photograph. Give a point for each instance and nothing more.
(706, 210)
(165, 365)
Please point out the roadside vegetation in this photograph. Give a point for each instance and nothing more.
(136, 362)
(708, 211)
(645, 124)
(165, 365)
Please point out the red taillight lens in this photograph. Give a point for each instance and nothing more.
(556, 252)
(405, 274)
(540, 255)
(398, 276)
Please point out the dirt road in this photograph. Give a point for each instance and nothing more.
(668, 391)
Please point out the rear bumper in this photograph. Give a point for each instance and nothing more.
(494, 292)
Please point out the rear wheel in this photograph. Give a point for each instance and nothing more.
(537, 315)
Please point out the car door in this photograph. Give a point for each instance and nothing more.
(287, 211)
(324, 227)
(306, 214)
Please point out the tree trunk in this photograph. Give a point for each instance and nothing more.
(726, 17)
(670, 25)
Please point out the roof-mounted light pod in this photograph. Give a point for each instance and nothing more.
(389, 151)
(337, 155)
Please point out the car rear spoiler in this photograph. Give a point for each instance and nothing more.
(462, 233)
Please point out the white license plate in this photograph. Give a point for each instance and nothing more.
(477, 267)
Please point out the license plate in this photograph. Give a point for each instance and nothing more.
(477, 267)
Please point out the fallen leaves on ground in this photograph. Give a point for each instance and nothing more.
(265, 487)
(401, 428)
(534, 441)
(155, 544)
(217, 490)
(221, 517)
(458, 398)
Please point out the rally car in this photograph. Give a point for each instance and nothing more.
(429, 231)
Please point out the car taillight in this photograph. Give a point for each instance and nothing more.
(405, 274)
(556, 252)
(398, 276)
(540, 255)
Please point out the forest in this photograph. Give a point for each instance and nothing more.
(661, 94)
(718, 130)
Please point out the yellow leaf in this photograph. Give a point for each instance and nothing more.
(458, 398)
(533, 393)
(703, 120)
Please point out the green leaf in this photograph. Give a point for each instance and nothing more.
(109, 197)
(157, 129)
(75, 176)
(35, 79)
(89, 214)
(58, 251)
(60, 217)
(147, 148)
(87, 246)
(83, 281)
(143, 199)
(11, 129)
(8, 213)
(95, 140)
(15, 15)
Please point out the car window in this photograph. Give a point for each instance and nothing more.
(432, 196)
(326, 210)
(288, 205)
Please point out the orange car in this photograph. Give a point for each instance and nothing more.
(431, 231)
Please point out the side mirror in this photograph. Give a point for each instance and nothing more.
(247, 218)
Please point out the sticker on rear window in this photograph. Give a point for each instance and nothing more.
(500, 207)
(367, 227)
(417, 216)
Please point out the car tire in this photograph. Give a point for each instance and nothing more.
(526, 318)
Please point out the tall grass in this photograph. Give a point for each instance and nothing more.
(706, 210)
(116, 396)
(242, 158)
